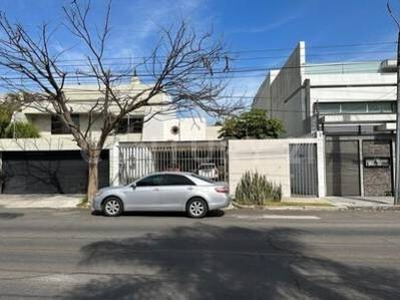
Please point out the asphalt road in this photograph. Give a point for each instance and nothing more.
(70, 254)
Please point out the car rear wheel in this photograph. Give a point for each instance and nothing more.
(197, 208)
(112, 207)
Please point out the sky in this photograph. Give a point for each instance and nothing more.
(261, 33)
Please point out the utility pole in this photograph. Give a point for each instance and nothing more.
(397, 167)
(397, 157)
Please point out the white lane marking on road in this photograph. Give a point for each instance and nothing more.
(276, 217)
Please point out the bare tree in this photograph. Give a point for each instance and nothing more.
(182, 66)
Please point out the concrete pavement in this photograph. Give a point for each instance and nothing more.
(357, 201)
(40, 201)
(69, 254)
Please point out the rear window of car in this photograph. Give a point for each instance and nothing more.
(202, 178)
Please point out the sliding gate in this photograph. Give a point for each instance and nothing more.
(208, 159)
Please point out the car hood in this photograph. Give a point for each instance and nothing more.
(110, 188)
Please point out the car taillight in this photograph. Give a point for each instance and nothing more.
(222, 189)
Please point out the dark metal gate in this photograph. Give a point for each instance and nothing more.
(208, 159)
(303, 169)
(342, 168)
(48, 172)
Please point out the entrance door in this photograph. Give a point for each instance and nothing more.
(342, 168)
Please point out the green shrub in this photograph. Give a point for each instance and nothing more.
(21, 130)
(255, 189)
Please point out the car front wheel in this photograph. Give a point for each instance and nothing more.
(112, 207)
(197, 208)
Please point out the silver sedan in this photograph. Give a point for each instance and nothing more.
(166, 191)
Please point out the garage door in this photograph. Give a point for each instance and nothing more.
(342, 168)
(48, 172)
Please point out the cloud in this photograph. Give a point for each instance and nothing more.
(268, 27)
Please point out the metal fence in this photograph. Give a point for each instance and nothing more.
(303, 169)
(208, 159)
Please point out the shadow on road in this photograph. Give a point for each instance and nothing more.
(10, 216)
(209, 262)
(211, 214)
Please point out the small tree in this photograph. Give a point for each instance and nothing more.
(181, 67)
(20, 130)
(252, 124)
(10, 128)
(6, 112)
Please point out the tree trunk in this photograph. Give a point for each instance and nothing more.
(93, 180)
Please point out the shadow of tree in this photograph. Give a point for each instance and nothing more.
(209, 262)
(10, 216)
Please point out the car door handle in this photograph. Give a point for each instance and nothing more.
(156, 189)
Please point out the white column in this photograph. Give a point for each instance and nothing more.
(321, 160)
(114, 164)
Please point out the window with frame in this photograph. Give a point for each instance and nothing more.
(154, 180)
(131, 124)
(172, 179)
(58, 127)
(357, 107)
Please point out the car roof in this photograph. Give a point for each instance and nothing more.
(169, 173)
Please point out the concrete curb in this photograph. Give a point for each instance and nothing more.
(319, 208)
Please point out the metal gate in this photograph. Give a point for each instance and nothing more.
(303, 169)
(342, 168)
(208, 159)
(49, 172)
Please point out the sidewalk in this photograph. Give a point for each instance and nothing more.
(361, 202)
(40, 201)
(330, 203)
(327, 203)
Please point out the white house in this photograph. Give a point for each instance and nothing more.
(163, 127)
(352, 104)
(53, 163)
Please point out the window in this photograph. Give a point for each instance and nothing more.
(172, 179)
(202, 178)
(382, 107)
(357, 107)
(58, 127)
(131, 124)
(354, 107)
(155, 180)
(328, 108)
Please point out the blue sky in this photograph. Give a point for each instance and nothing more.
(246, 26)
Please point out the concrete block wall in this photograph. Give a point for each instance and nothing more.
(271, 158)
(268, 157)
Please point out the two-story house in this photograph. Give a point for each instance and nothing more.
(352, 104)
(54, 164)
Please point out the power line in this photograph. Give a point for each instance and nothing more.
(238, 70)
(76, 65)
(260, 50)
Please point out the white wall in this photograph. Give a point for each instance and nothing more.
(190, 129)
(278, 93)
(270, 158)
(352, 94)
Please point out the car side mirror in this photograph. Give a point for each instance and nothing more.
(133, 185)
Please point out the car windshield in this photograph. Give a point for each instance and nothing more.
(202, 178)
